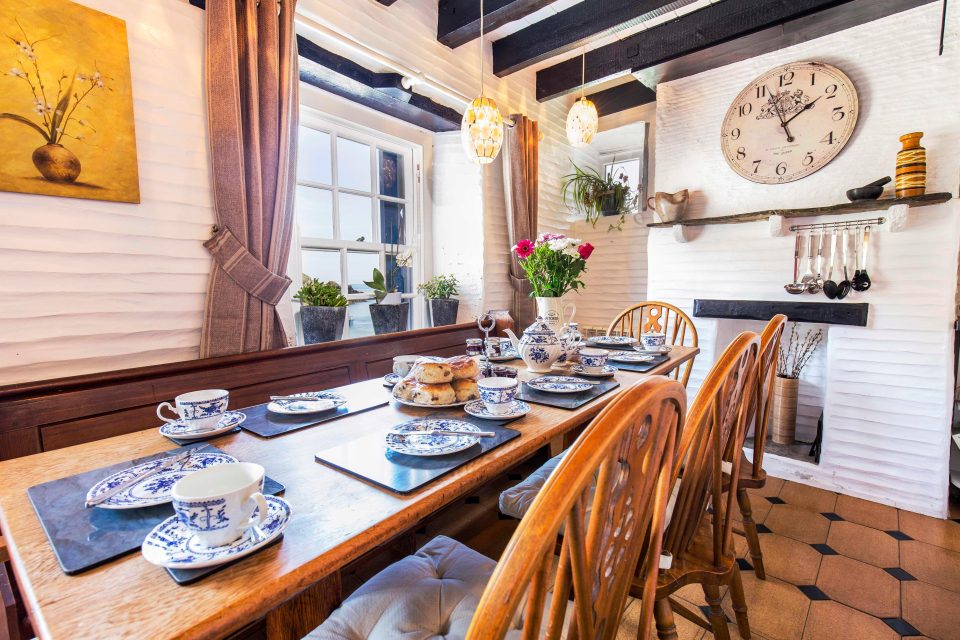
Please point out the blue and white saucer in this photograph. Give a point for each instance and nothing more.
(608, 370)
(612, 341)
(559, 384)
(229, 420)
(477, 408)
(630, 357)
(154, 489)
(431, 444)
(391, 380)
(171, 545)
(301, 407)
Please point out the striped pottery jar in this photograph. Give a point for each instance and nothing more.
(911, 166)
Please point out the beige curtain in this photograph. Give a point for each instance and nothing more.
(252, 107)
(520, 182)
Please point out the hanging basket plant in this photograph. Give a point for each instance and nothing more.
(594, 195)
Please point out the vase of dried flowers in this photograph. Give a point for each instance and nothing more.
(791, 361)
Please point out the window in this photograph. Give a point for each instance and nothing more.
(357, 208)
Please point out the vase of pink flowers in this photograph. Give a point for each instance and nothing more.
(553, 265)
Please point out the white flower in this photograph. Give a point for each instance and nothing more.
(100, 84)
(79, 136)
(16, 72)
(42, 108)
(81, 77)
(405, 259)
(25, 49)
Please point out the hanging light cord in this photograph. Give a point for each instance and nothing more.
(583, 69)
(481, 48)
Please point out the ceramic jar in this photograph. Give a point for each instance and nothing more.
(911, 166)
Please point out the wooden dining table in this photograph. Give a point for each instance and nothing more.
(294, 585)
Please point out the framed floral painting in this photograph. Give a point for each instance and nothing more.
(66, 103)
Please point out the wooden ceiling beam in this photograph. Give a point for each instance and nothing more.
(458, 21)
(622, 97)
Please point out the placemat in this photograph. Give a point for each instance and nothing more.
(267, 424)
(84, 538)
(565, 400)
(369, 459)
(641, 367)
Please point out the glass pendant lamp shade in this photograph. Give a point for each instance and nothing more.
(481, 130)
(582, 122)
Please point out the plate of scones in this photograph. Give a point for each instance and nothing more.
(433, 383)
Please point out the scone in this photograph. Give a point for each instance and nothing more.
(466, 390)
(464, 368)
(432, 372)
(404, 389)
(434, 394)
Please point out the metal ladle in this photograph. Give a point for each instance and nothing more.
(844, 287)
(830, 287)
(796, 287)
(861, 281)
(815, 285)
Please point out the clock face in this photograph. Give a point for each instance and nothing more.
(789, 122)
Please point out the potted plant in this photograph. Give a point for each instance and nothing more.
(595, 195)
(553, 265)
(323, 311)
(389, 313)
(791, 361)
(440, 290)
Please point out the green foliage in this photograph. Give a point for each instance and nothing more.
(554, 272)
(314, 293)
(379, 285)
(440, 287)
(593, 195)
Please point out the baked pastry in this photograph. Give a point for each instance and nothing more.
(466, 390)
(432, 372)
(434, 394)
(464, 368)
(404, 389)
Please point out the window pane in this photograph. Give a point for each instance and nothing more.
(393, 226)
(356, 218)
(359, 322)
(315, 212)
(322, 265)
(404, 277)
(313, 156)
(360, 266)
(627, 172)
(353, 165)
(390, 170)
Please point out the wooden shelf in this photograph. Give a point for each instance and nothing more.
(835, 210)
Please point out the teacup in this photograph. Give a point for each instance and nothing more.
(403, 364)
(593, 360)
(199, 410)
(651, 341)
(217, 504)
(498, 394)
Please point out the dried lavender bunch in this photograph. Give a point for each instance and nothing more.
(796, 354)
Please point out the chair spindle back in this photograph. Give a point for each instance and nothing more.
(659, 317)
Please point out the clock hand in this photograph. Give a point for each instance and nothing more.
(806, 107)
(776, 109)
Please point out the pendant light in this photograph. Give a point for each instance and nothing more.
(582, 120)
(481, 129)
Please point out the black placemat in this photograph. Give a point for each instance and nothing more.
(565, 400)
(83, 538)
(183, 443)
(186, 576)
(641, 367)
(369, 459)
(267, 424)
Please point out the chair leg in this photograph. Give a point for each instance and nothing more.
(750, 531)
(739, 604)
(663, 615)
(718, 621)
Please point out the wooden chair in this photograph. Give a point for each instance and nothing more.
(701, 547)
(652, 316)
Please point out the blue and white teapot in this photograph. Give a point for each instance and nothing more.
(539, 347)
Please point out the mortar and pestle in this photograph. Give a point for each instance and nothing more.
(870, 191)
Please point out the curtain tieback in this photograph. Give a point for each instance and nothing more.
(244, 269)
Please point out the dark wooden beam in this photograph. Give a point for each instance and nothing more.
(458, 21)
(386, 3)
(853, 314)
(778, 23)
(622, 97)
(569, 29)
(380, 91)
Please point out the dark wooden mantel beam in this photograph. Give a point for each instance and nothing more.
(458, 21)
(622, 97)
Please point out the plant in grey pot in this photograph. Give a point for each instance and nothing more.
(439, 291)
(388, 313)
(323, 311)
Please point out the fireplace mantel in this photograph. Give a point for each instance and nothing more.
(853, 314)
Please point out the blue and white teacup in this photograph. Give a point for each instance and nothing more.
(593, 360)
(651, 341)
(217, 504)
(199, 410)
(498, 394)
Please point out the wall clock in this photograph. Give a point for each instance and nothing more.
(789, 122)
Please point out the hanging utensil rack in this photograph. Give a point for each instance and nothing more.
(826, 226)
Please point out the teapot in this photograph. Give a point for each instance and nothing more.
(539, 347)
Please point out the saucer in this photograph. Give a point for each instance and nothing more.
(559, 384)
(171, 545)
(298, 408)
(477, 408)
(630, 357)
(391, 380)
(657, 351)
(180, 431)
(154, 489)
(612, 341)
(432, 444)
(608, 370)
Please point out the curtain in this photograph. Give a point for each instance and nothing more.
(520, 182)
(252, 115)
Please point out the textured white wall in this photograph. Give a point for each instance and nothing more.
(886, 387)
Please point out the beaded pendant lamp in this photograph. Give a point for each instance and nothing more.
(481, 129)
(582, 120)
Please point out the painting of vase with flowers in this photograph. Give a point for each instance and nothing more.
(66, 103)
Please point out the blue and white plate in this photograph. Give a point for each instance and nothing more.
(431, 444)
(479, 409)
(559, 384)
(171, 545)
(612, 341)
(301, 407)
(656, 351)
(630, 357)
(181, 431)
(608, 370)
(391, 380)
(154, 489)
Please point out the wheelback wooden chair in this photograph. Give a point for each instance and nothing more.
(659, 317)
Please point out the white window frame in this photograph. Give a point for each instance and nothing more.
(412, 155)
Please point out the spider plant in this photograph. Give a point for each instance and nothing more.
(594, 195)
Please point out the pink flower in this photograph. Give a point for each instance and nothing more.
(585, 250)
(547, 237)
(523, 248)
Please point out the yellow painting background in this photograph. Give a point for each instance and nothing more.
(76, 40)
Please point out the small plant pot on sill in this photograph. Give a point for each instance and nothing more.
(608, 205)
(322, 324)
(783, 413)
(389, 318)
(443, 311)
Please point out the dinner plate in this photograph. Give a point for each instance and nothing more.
(630, 357)
(608, 370)
(431, 444)
(612, 341)
(154, 489)
(180, 431)
(298, 408)
(171, 545)
(477, 408)
(559, 384)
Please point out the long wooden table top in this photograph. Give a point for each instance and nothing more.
(336, 519)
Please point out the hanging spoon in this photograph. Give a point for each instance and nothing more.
(795, 286)
(817, 283)
(861, 282)
(844, 287)
(830, 287)
(808, 271)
